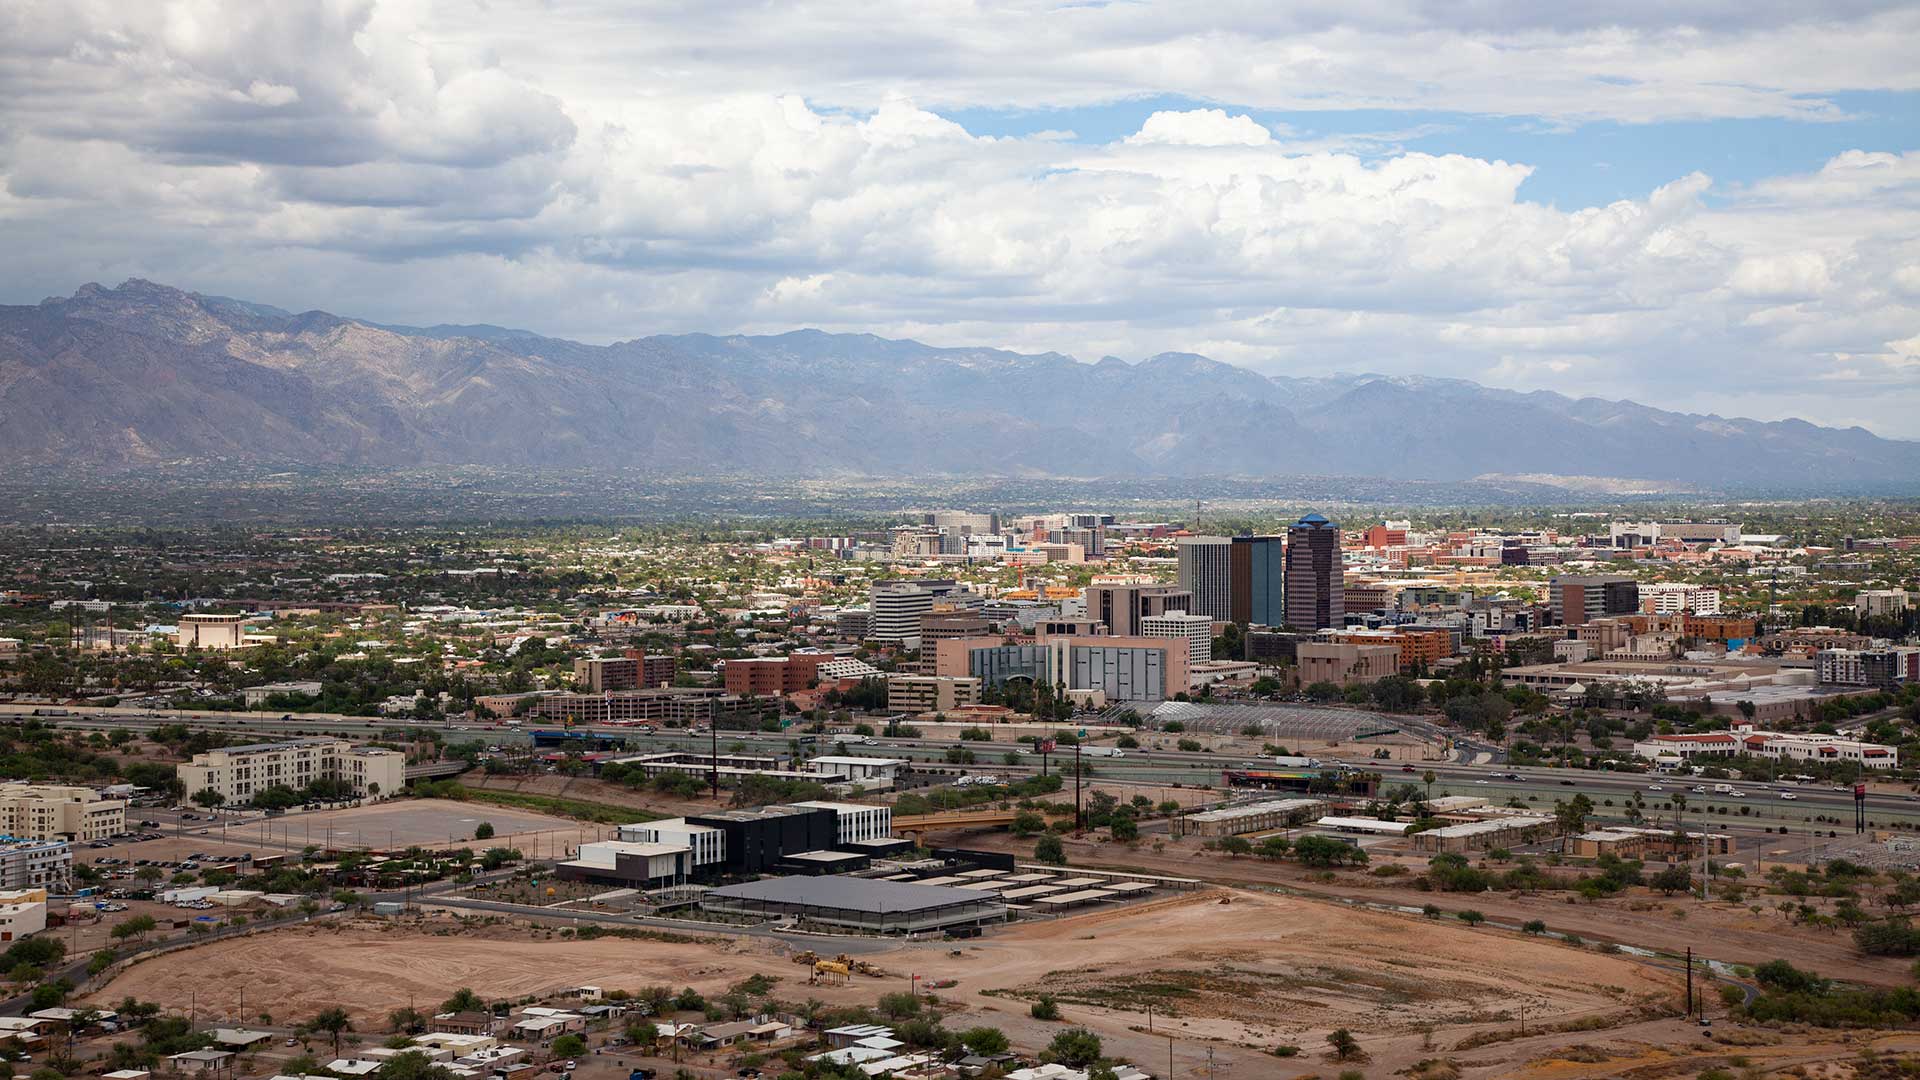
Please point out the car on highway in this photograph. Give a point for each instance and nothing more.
(1736, 794)
(1655, 787)
(1566, 783)
(1788, 795)
(1479, 781)
(1406, 768)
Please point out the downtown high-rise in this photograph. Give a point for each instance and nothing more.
(1315, 585)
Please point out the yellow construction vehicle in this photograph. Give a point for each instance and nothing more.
(828, 971)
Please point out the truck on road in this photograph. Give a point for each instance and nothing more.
(1288, 761)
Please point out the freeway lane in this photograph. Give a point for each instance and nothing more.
(1539, 787)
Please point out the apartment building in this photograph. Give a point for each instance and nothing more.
(1419, 647)
(634, 671)
(59, 812)
(238, 773)
(1196, 629)
(36, 864)
(1674, 598)
(1874, 602)
(773, 676)
(692, 705)
(1882, 669)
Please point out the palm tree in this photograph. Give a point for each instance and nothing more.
(1429, 778)
(334, 1022)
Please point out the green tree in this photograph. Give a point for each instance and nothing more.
(1345, 1046)
(464, 1000)
(483, 831)
(1075, 1048)
(569, 1046)
(1050, 851)
(985, 1041)
(334, 1022)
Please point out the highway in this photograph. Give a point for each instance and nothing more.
(1476, 768)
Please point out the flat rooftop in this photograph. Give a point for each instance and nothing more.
(865, 895)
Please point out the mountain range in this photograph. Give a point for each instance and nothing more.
(145, 374)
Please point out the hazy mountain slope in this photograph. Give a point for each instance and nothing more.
(144, 373)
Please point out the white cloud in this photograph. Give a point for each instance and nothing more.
(1201, 127)
(601, 177)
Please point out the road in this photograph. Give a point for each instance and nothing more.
(1476, 767)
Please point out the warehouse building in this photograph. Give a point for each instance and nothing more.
(885, 907)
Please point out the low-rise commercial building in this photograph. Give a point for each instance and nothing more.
(931, 693)
(1491, 831)
(634, 865)
(22, 912)
(1345, 665)
(1251, 818)
(1679, 749)
(888, 907)
(211, 632)
(59, 812)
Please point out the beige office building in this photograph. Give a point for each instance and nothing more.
(211, 632)
(239, 773)
(931, 693)
(1344, 665)
(59, 812)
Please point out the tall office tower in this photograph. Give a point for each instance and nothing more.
(898, 607)
(1256, 569)
(1582, 598)
(1315, 585)
(1121, 607)
(1206, 572)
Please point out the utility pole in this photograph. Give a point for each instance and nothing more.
(1079, 814)
(1689, 980)
(713, 730)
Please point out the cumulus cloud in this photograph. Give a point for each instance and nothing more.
(589, 175)
(1201, 127)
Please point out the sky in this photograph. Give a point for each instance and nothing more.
(1705, 205)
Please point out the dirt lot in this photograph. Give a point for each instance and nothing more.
(371, 967)
(1728, 932)
(1243, 977)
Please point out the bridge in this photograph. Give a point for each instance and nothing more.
(434, 770)
(915, 824)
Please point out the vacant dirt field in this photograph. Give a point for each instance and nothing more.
(370, 968)
(1726, 932)
(1238, 978)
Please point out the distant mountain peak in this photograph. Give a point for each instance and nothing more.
(143, 372)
